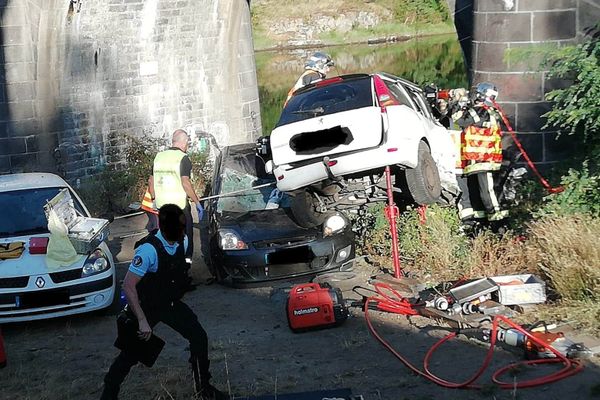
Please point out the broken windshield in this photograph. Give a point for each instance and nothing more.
(243, 176)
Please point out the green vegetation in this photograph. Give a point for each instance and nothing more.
(126, 183)
(554, 236)
(397, 17)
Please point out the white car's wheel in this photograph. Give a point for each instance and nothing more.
(304, 209)
(424, 180)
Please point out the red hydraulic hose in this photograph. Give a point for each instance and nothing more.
(543, 181)
(571, 367)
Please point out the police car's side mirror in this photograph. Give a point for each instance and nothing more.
(269, 167)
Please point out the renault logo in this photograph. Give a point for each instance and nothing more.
(40, 282)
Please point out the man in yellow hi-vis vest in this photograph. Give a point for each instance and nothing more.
(481, 158)
(170, 183)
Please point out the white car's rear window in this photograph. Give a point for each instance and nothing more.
(348, 94)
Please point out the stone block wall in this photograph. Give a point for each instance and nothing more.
(523, 83)
(78, 77)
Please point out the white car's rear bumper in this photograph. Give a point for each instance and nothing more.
(294, 177)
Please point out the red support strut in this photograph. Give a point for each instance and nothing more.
(391, 213)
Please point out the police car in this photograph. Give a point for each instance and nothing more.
(29, 288)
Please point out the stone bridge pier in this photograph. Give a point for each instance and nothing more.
(496, 26)
(77, 77)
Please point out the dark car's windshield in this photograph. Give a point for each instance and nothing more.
(336, 97)
(23, 211)
(241, 171)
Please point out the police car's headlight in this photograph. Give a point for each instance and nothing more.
(229, 240)
(334, 224)
(96, 262)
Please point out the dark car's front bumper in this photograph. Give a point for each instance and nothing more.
(285, 259)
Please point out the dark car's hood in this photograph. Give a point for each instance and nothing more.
(264, 225)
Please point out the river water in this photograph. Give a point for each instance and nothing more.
(424, 60)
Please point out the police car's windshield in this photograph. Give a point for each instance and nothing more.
(23, 211)
(240, 173)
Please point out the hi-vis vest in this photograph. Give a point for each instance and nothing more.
(167, 179)
(481, 147)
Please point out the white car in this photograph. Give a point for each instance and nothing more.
(29, 290)
(335, 137)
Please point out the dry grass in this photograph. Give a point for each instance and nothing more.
(564, 251)
(493, 255)
(569, 255)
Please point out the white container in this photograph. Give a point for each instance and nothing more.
(84, 233)
(531, 291)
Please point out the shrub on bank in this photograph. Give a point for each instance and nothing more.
(560, 249)
(111, 191)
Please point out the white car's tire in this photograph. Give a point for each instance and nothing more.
(304, 209)
(423, 181)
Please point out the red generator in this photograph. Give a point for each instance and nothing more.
(313, 305)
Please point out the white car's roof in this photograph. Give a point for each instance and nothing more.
(30, 181)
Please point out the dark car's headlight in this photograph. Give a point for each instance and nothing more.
(229, 240)
(96, 262)
(334, 224)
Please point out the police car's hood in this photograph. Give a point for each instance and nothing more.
(264, 225)
(29, 264)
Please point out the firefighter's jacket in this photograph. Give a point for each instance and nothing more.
(309, 76)
(481, 139)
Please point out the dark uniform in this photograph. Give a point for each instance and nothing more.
(162, 269)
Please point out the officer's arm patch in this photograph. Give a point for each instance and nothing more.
(137, 261)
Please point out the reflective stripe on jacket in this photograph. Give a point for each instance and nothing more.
(168, 188)
(481, 147)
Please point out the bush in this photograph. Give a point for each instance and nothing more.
(581, 195)
(569, 254)
(575, 109)
(114, 189)
(437, 251)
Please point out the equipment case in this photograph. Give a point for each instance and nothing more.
(84, 233)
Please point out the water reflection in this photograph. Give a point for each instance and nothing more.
(434, 59)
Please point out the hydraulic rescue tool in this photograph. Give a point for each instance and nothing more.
(314, 305)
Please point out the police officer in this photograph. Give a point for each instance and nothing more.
(154, 286)
(481, 157)
(316, 68)
(170, 183)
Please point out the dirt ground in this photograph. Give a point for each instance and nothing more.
(253, 352)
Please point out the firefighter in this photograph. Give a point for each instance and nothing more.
(170, 183)
(481, 158)
(316, 68)
(154, 286)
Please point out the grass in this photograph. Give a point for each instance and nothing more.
(396, 17)
(562, 250)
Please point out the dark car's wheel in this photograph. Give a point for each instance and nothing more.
(304, 208)
(423, 181)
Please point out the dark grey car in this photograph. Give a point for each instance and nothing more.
(252, 236)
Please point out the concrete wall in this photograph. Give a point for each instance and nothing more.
(77, 77)
(523, 83)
